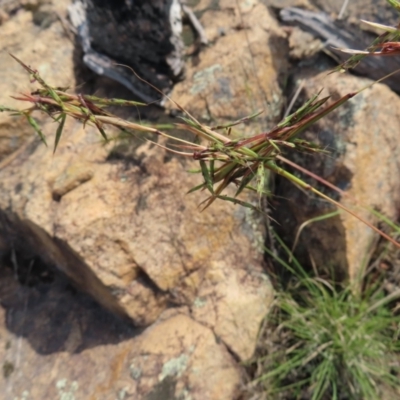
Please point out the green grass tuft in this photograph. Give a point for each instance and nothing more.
(323, 341)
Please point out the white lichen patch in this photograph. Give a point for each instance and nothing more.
(199, 302)
(65, 391)
(174, 367)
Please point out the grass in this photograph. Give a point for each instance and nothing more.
(324, 340)
(224, 160)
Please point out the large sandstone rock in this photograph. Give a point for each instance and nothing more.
(136, 230)
(362, 138)
(179, 356)
(239, 73)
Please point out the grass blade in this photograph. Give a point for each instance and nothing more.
(36, 127)
(59, 131)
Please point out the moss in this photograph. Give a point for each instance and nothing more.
(8, 368)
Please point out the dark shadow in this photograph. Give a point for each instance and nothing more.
(46, 309)
(291, 206)
(88, 83)
(50, 296)
(165, 390)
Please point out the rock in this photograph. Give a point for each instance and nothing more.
(48, 50)
(10, 6)
(303, 44)
(229, 299)
(3, 17)
(28, 241)
(142, 237)
(239, 73)
(363, 161)
(59, 344)
(176, 357)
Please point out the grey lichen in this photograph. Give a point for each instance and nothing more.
(135, 372)
(199, 302)
(174, 367)
(202, 79)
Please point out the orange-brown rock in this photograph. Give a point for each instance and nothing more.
(49, 50)
(239, 73)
